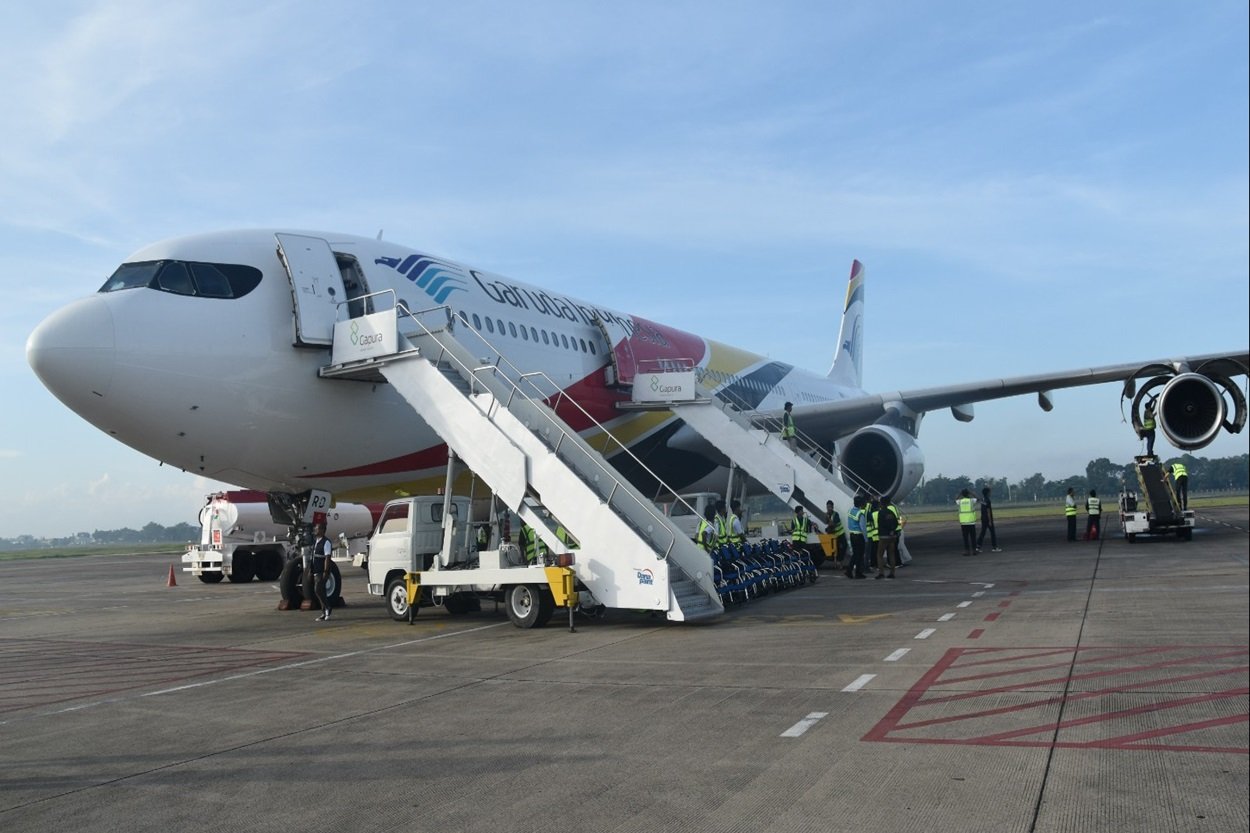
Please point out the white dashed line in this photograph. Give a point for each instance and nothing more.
(897, 655)
(963, 604)
(926, 633)
(978, 594)
(860, 681)
(803, 725)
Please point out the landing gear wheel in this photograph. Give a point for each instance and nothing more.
(241, 568)
(397, 602)
(334, 587)
(210, 578)
(290, 583)
(1186, 534)
(529, 606)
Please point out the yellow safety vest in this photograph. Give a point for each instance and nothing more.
(870, 526)
(722, 530)
(533, 545)
(1179, 470)
(799, 533)
(1069, 508)
(967, 511)
(1148, 422)
(699, 537)
(787, 426)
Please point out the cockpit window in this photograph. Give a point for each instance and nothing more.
(205, 280)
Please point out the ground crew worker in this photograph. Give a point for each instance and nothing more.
(322, 550)
(566, 537)
(1181, 475)
(855, 526)
(870, 533)
(1069, 511)
(737, 529)
(1093, 508)
(987, 522)
(705, 536)
(798, 535)
(968, 521)
(887, 523)
(833, 526)
(1148, 428)
(788, 432)
(722, 523)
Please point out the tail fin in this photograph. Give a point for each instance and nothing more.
(848, 363)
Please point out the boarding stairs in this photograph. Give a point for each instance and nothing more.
(807, 475)
(497, 420)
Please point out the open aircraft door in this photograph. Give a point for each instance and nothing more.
(621, 359)
(316, 286)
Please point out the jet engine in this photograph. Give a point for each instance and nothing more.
(1194, 404)
(881, 459)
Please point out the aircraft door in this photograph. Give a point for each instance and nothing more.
(620, 353)
(316, 286)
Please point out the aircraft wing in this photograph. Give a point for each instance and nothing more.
(828, 421)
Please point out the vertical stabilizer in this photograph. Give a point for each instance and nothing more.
(848, 363)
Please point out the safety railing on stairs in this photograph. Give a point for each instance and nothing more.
(565, 440)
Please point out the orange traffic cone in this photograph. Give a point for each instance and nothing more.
(171, 582)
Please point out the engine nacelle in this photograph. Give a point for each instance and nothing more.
(886, 460)
(1191, 411)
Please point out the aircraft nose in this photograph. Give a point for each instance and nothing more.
(72, 352)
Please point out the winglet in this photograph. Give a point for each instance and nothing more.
(848, 362)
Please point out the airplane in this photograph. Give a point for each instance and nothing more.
(203, 352)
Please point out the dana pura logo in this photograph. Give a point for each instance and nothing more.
(645, 577)
(436, 278)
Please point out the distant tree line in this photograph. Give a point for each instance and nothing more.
(152, 533)
(1102, 475)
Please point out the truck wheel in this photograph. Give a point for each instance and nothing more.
(1186, 534)
(210, 578)
(241, 570)
(268, 565)
(1132, 537)
(290, 583)
(397, 600)
(529, 606)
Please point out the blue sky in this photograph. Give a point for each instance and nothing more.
(1032, 187)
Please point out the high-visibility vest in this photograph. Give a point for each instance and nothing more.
(855, 520)
(1179, 470)
(736, 538)
(799, 533)
(565, 538)
(967, 511)
(700, 535)
(838, 529)
(787, 426)
(1069, 508)
(1148, 421)
(722, 530)
(870, 526)
(1094, 506)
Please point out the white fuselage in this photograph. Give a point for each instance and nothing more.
(218, 386)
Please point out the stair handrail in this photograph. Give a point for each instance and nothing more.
(493, 368)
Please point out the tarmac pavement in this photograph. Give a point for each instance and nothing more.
(1091, 686)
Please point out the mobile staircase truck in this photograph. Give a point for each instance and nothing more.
(509, 428)
(240, 540)
(1154, 510)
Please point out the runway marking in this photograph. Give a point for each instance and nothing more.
(963, 604)
(975, 633)
(992, 617)
(926, 633)
(803, 725)
(946, 617)
(860, 681)
(1004, 604)
(1084, 706)
(978, 594)
(897, 655)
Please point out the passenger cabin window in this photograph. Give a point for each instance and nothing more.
(477, 322)
(202, 280)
